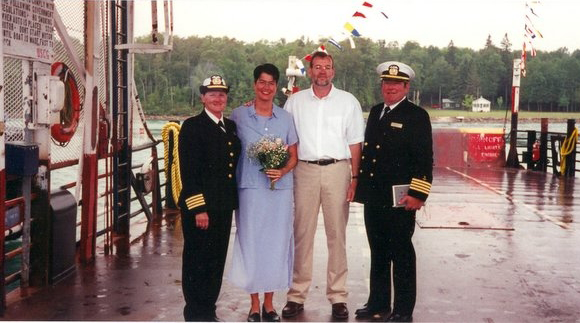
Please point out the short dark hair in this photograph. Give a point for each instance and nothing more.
(268, 69)
(320, 54)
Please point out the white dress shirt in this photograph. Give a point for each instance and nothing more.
(326, 126)
(214, 118)
(390, 107)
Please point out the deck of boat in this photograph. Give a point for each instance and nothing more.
(493, 245)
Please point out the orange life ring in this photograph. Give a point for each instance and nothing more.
(64, 130)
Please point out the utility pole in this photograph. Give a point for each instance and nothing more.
(512, 159)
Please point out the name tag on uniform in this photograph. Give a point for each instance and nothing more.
(397, 125)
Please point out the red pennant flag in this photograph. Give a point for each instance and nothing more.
(369, 5)
(321, 48)
(359, 14)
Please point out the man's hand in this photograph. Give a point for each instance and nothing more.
(411, 203)
(351, 190)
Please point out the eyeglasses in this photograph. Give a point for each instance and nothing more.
(266, 83)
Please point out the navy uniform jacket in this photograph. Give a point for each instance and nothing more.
(207, 160)
(397, 150)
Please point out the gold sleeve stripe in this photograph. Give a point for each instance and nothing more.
(420, 186)
(420, 182)
(426, 186)
(195, 201)
(418, 189)
(195, 205)
(195, 197)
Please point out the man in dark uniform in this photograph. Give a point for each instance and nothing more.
(208, 154)
(398, 149)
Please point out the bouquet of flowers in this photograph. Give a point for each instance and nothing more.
(270, 152)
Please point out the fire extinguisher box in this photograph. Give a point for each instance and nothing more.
(21, 158)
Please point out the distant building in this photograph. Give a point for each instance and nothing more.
(447, 103)
(481, 105)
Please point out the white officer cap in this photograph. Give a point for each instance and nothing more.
(214, 82)
(394, 70)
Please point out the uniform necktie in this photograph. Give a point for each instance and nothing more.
(384, 113)
(221, 125)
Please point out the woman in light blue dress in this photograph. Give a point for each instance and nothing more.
(263, 251)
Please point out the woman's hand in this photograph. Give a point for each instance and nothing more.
(202, 221)
(274, 174)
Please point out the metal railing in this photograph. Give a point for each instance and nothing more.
(541, 150)
(149, 205)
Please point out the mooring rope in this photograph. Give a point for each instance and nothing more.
(174, 167)
(567, 147)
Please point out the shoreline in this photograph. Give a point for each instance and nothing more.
(493, 120)
(458, 119)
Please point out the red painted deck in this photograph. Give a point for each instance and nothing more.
(493, 245)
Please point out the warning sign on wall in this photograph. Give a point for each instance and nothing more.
(27, 28)
(486, 147)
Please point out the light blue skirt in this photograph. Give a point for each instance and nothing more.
(263, 253)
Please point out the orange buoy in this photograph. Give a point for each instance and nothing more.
(63, 131)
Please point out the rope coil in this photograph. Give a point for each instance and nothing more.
(174, 167)
(567, 147)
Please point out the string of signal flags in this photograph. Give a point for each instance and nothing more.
(366, 11)
(531, 32)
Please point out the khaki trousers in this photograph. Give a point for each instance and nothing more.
(314, 187)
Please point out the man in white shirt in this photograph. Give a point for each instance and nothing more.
(330, 128)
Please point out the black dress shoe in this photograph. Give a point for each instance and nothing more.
(271, 316)
(399, 318)
(364, 308)
(364, 312)
(292, 309)
(339, 311)
(367, 313)
(254, 317)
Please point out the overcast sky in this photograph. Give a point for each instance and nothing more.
(428, 22)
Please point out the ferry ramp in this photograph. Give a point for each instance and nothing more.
(493, 246)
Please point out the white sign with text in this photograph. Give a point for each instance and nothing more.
(27, 28)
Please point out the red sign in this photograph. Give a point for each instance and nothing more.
(485, 147)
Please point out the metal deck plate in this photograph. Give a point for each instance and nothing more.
(458, 216)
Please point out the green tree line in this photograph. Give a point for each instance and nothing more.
(168, 83)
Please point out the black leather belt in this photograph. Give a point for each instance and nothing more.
(322, 162)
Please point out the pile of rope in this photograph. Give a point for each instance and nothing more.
(174, 153)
